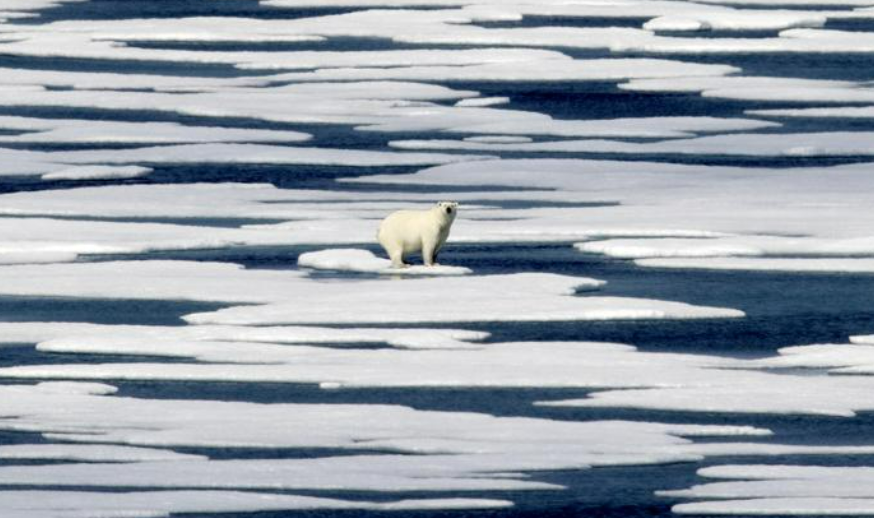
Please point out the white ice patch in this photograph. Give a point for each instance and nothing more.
(25, 240)
(97, 172)
(607, 69)
(105, 39)
(257, 201)
(790, 3)
(624, 376)
(369, 103)
(745, 392)
(37, 256)
(453, 451)
(844, 112)
(500, 139)
(181, 340)
(652, 127)
(483, 101)
(256, 154)
(640, 248)
(103, 132)
(161, 504)
(358, 260)
(291, 297)
(837, 143)
(780, 490)
(91, 453)
(823, 210)
(845, 265)
(740, 246)
(581, 365)
(736, 21)
(762, 89)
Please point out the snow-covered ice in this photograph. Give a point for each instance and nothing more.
(292, 298)
(780, 490)
(358, 260)
(97, 172)
(118, 98)
(845, 265)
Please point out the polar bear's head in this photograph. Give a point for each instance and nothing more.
(447, 209)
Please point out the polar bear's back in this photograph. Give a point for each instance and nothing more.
(405, 227)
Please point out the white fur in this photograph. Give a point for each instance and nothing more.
(408, 231)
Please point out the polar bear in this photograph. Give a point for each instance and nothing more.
(407, 231)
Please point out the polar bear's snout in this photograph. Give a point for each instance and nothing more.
(409, 231)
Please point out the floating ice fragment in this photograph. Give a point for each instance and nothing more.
(831, 264)
(163, 504)
(483, 101)
(358, 260)
(96, 172)
(92, 453)
(781, 490)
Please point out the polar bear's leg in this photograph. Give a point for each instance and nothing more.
(441, 240)
(396, 254)
(429, 252)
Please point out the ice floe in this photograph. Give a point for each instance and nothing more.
(620, 375)
(742, 253)
(105, 132)
(443, 364)
(291, 297)
(737, 246)
(737, 21)
(780, 490)
(97, 172)
(251, 200)
(761, 88)
(767, 394)
(454, 451)
(160, 504)
(91, 453)
(844, 265)
(654, 199)
(46, 240)
(618, 69)
(837, 143)
(257, 154)
(654, 127)
(358, 260)
(844, 112)
(177, 340)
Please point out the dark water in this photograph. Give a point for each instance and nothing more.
(98, 311)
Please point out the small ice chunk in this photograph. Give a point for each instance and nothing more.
(92, 453)
(483, 101)
(499, 139)
(358, 260)
(97, 172)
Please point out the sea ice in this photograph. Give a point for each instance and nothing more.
(161, 504)
(832, 264)
(780, 490)
(291, 297)
(81, 131)
(358, 260)
(181, 340)
(836, 143)
(97, 172)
